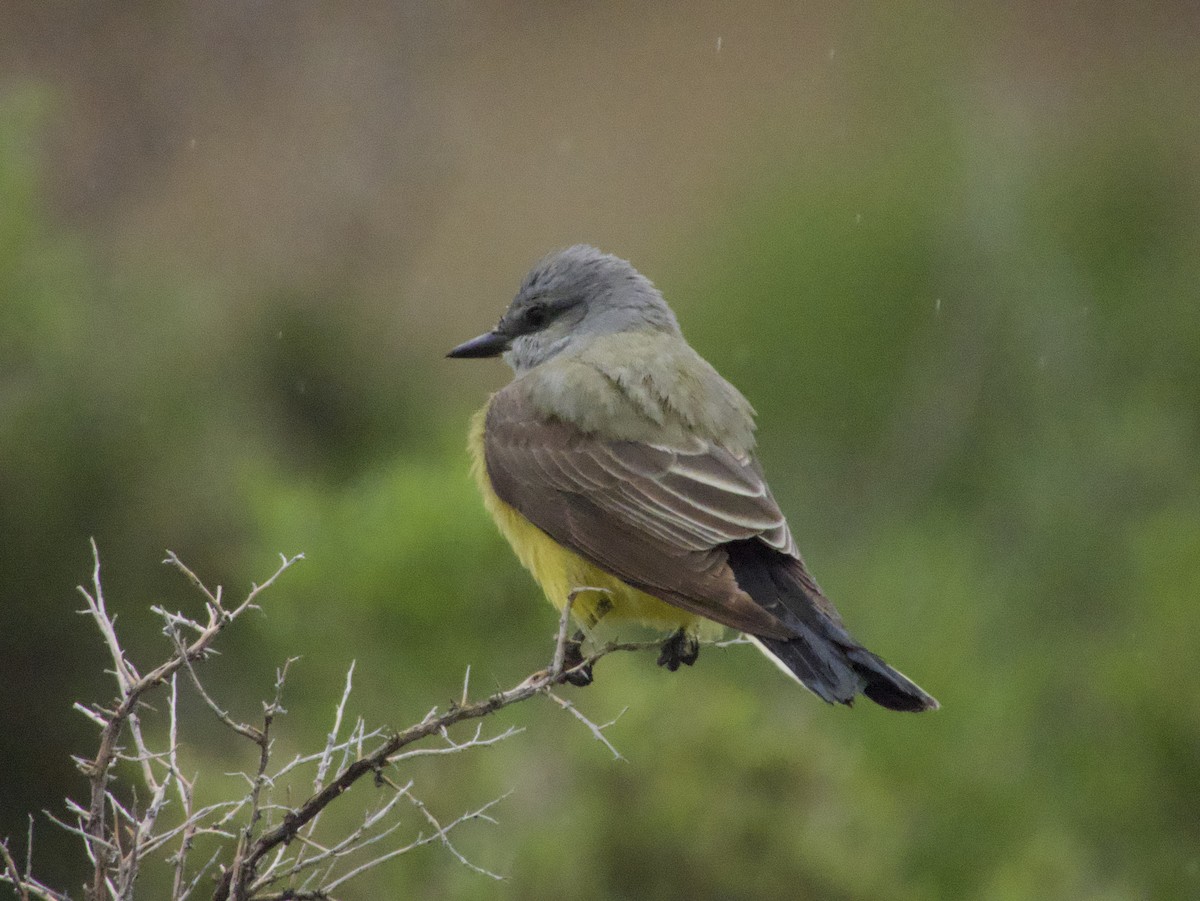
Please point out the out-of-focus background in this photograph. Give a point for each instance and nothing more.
(950, 251)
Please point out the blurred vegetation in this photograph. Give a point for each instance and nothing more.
(976, 359)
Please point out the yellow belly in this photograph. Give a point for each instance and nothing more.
(560, 571)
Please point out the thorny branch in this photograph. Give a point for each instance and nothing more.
(102, 849)
(236, 881)
(265, 850)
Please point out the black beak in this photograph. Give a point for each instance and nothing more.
(489, 344)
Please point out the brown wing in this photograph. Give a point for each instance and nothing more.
(655, 517)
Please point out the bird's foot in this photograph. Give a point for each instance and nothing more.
(577, 673)
(680, 648)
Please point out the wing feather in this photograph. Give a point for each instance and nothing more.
(716, 473)
(656, 517)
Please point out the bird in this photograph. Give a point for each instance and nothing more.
(620, 466)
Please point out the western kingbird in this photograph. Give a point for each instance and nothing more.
(618, 459)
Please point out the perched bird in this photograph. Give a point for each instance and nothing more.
(618, 459)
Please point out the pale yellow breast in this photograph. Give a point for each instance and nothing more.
(560, 571)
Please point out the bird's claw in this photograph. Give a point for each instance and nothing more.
(575, 668)
(680, 648)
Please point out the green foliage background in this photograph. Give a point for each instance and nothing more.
(962, 294)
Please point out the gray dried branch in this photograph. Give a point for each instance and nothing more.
(267, 850)
(131, 688)
(241, 883)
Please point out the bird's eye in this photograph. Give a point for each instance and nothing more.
(535, 317)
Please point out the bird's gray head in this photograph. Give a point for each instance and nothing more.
(569, 298)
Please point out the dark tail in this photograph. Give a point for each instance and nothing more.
(822, 655)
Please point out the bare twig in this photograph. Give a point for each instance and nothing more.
(12, 874)
(442, 832)
(132, 687)
(596, 730)
(437, 836)
(267, 848)
(339, 712)
(433, 724)
(25, 886)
